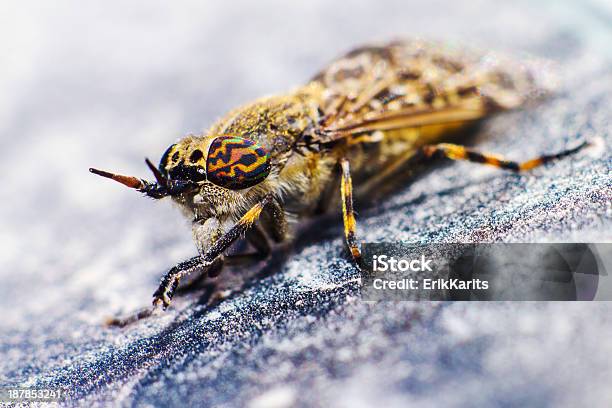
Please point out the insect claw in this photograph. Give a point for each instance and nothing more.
(161, 180)
(131, 182)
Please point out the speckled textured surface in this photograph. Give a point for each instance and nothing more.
(105, 86)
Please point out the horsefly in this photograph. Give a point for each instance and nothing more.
(371, 115)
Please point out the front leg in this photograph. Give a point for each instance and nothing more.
(163, 295)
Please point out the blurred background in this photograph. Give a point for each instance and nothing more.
(104, 84)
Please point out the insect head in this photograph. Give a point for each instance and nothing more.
(230, 162)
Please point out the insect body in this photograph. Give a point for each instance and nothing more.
(368, 116)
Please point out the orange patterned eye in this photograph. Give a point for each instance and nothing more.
(236, 163)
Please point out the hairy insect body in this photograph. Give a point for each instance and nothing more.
(298, 180)
(279, 124)
(366, 117)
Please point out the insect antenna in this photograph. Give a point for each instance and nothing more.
(152, 190)
(161, 180)
(131, 182)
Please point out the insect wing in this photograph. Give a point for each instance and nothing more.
(416, 83)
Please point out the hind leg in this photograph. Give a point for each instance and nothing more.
(426, 154)
(458, 152)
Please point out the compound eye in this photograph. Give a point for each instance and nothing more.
(164, 162)
(236, 163)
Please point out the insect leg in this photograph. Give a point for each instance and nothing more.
(457, 152)
(274, 221)
(163, 295)
(346, 190)
(258, 239)
(211, 271)
(255, 237)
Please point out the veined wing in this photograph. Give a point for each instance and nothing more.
(416, 83)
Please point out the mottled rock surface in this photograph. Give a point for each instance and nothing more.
(106, 85)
